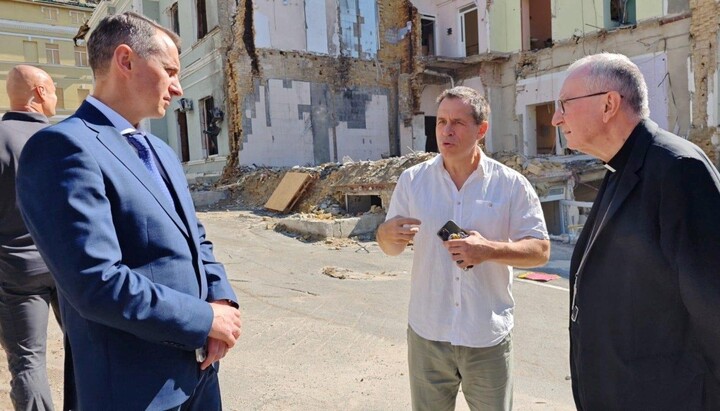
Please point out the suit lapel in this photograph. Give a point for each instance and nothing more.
(628, 181)
(167, 158)
(111, 138)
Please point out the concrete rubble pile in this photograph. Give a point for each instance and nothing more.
(252, 186)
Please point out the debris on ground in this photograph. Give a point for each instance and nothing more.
(346, 274)
(324, 198)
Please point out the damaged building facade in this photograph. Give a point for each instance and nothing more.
(315, 81)
(517, 52)
(290, 82)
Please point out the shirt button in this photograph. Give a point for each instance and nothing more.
(457, 278)
(458, 203)
(457, 304)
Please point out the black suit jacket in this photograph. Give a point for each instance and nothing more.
(19, 257)
(647, 333)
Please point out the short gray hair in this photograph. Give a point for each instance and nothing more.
(132, 29)
(615, 72)
(470, 96)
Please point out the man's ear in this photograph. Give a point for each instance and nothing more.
(612, 102)
(40, 93)
(122, 59)
(482, 130)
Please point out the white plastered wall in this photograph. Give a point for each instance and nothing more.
(289, 141)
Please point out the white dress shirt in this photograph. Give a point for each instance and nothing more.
(471, 308)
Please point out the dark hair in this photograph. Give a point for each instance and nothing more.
(480, 106)
(132, 29)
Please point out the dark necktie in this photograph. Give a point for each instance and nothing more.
(137, 140)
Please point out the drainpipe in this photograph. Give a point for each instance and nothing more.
(438, 74)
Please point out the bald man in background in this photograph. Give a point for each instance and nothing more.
(26, 286)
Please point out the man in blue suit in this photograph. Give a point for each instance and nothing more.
(108, 206)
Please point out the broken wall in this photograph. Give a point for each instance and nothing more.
(333, 90)
(302, 123)
(660, 48)
(703, 69)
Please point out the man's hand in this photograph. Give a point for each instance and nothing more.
(394, 234)
(476, 249)
(216, 350)
(471, 250)
(227, 324)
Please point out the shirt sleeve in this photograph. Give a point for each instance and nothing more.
(399, 202)
(526, 214)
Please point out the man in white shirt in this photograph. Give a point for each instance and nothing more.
(461, 306)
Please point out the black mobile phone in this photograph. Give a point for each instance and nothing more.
(449, 229)
(453, 231)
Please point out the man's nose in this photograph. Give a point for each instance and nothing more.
(446, 129)
(557, 118)
(176, 89)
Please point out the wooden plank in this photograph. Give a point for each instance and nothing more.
(288, 192)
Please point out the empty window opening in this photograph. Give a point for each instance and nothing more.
(174, 18)
(210, 129)
(427, 35)
(357, 204)
(430, 136)
(622, 12)
(469, 30)
(202, 21)
(183, 135)
(546, 136)
(536, 24)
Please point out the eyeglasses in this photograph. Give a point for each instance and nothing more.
(561, 102)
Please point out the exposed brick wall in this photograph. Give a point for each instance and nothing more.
(245, 65)
(704, 34)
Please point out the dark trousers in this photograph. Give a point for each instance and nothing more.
(24, 311)
(206, 396)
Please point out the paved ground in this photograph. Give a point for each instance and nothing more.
(315, 341)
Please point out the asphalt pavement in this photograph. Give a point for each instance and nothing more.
(325, 325)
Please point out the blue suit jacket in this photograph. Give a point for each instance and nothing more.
(134, 271)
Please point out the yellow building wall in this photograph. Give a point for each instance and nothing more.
(505, 22)
(24, 21)
(576, 17)
(31, 12)
(648, 9)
